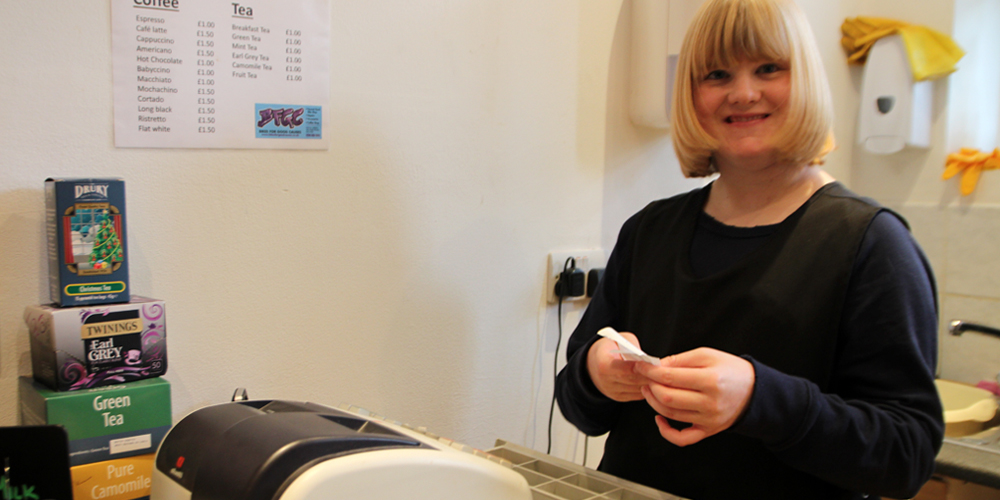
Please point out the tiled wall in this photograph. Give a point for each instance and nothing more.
(963, 246)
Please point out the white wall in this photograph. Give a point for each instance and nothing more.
(974, 96)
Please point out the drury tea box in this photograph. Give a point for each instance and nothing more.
(85, 225)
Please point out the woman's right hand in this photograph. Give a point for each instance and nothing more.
(614, 376)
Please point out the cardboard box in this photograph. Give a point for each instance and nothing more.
(76, 348)
(119, 479)
(88, 257)
(105, 423)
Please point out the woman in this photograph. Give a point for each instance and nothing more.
(796, 321)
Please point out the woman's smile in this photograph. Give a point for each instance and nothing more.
(738, 119)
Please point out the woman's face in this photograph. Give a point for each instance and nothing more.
(743, 107)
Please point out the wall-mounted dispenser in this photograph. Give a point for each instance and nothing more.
(658, 28)
(895, 109)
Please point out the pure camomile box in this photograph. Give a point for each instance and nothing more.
(119, 479)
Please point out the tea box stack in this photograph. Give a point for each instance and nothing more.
(97, 351)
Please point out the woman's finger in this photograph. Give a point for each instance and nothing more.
(675, 399)
(682, 437)
(695, 379)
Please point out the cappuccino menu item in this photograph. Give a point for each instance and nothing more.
(221, 74)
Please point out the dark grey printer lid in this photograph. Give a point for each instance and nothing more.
(251, 450)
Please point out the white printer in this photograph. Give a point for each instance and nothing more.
(282, 450)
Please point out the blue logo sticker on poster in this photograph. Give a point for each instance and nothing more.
(283, 121)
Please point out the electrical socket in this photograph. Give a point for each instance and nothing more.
(585, 261)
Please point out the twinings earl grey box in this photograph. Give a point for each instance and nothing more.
(105, 423)
(85, 223)
(120, 479)
(75, 348)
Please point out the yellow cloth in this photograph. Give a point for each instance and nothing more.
(932, 54)
(970, 162)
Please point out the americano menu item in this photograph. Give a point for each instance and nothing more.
(221, 74)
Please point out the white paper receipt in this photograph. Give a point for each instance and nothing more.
(628, 350)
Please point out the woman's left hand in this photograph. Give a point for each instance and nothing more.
(706, 387)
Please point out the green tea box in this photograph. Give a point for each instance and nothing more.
(103, 423)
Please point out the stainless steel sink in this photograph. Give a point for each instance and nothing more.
(988, 440)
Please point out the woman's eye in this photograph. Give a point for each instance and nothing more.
(768, 68)
(716, 75)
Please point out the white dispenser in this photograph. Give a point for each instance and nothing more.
(895, 109)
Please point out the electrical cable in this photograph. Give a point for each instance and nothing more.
(569, 264)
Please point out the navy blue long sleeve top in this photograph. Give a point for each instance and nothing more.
(862, 433)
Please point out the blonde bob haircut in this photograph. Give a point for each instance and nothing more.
(725, 32)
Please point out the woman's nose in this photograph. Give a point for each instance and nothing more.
(744, 91)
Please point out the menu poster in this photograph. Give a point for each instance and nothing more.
(221, 74)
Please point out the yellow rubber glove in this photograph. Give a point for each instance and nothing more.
(932, 54)
(970, 162)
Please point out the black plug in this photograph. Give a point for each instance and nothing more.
(572, 281)
(593, 278)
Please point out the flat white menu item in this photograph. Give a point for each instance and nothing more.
(628, 350)
(221, 74)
